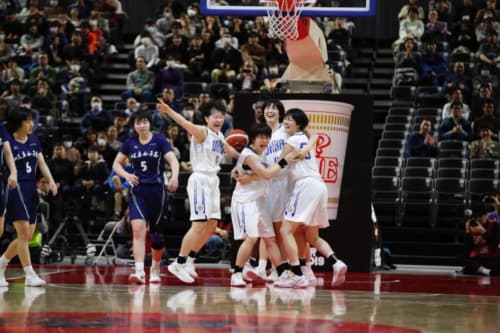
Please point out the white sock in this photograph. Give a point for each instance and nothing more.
(139, 267)
(262, 265)
(190, 260)
(484, 271)
(3, 261)
(28, 270)
(155, 263)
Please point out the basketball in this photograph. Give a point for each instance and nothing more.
(237, 139)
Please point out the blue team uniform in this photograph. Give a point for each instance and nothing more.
(4, 136)
(23, 200)
(148, 200)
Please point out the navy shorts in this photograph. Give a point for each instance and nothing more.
(3, 197)
(22, 203)
(148, 202)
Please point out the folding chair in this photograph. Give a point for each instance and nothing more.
(105, 242)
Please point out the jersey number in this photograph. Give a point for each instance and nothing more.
(144, 166)
(28, 167)
(302, 145)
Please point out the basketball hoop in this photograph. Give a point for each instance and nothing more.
(285, 20)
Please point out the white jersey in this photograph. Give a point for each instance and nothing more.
(207, 155)
(275, 146)
(254, 189)
(306, 167)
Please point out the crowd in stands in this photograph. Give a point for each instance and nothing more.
(453, 49)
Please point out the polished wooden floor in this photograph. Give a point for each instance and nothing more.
(99, 299)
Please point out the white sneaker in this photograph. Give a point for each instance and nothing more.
(180, 272)
(273, 277)
(34, 281)
(190, 268)
(251, 273)
(3, 281)
(309, 275)
(138, 278)
(339, 271)
(237, 280)
(246, 269)
(154, 274)
(292, 281)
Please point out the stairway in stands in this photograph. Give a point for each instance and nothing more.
(413, 242)
(113, 80)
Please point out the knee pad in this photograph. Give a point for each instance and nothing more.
(157, 240)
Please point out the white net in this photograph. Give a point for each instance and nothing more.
(283, 17)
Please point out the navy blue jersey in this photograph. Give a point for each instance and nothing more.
(147, 159)
(4, 136)
(26, 157)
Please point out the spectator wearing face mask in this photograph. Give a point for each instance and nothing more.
(164, 22)
(72, 153)
(148, 50)
(155, 34)
(105, 150)
(97, 117)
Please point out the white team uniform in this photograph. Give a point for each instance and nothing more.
(248, 204)
(203, 184)
(279, 186)
(309, 198)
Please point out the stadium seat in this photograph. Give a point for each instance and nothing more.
(383, 171)
(484, 173)
(389, 143)
(451, 173)
(449, 201)
(460, 163)
(421, 162)
(477, 188)
(483, 163)
(386, 198)
(389, 161)
(417, 198)
(418, 172)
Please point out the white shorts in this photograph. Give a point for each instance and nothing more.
(278, 190)
(204, 197)
(251, 219)
(308, 203)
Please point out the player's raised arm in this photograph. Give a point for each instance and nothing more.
(198, 132)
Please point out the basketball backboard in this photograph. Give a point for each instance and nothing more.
(346, 8)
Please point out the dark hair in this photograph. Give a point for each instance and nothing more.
(259, 129)
(278, 105)
(209, 108)
(93, 149)
(140, 115)
(16, 118)
(299, 116)
(456, 103)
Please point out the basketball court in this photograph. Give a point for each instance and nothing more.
(99, 299)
